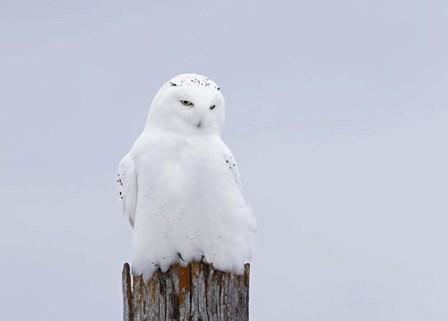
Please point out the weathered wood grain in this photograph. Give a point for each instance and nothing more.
(196, 292)
(198, 310)
(137, 297)
(127, 293)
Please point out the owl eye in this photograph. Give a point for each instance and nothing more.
(186, 103)
(212, 107)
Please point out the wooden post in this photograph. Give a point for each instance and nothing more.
(196, 292)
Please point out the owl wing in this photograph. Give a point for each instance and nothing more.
(231, 164)
(127, 188)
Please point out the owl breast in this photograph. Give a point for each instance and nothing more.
(187, 200)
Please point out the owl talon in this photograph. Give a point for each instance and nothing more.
(180, 257)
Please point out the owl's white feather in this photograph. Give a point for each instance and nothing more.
(179, 186)
(127, 188)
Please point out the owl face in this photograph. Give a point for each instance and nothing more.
(188, 104)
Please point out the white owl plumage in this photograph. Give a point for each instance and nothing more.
(179, 186)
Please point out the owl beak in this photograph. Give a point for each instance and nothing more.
(199, 124)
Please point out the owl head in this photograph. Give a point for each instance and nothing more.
(188, 104)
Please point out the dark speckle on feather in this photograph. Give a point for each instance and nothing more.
(196, 80)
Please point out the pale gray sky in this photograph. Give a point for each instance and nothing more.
(337, 114)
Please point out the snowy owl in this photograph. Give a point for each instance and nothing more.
(179, 186)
